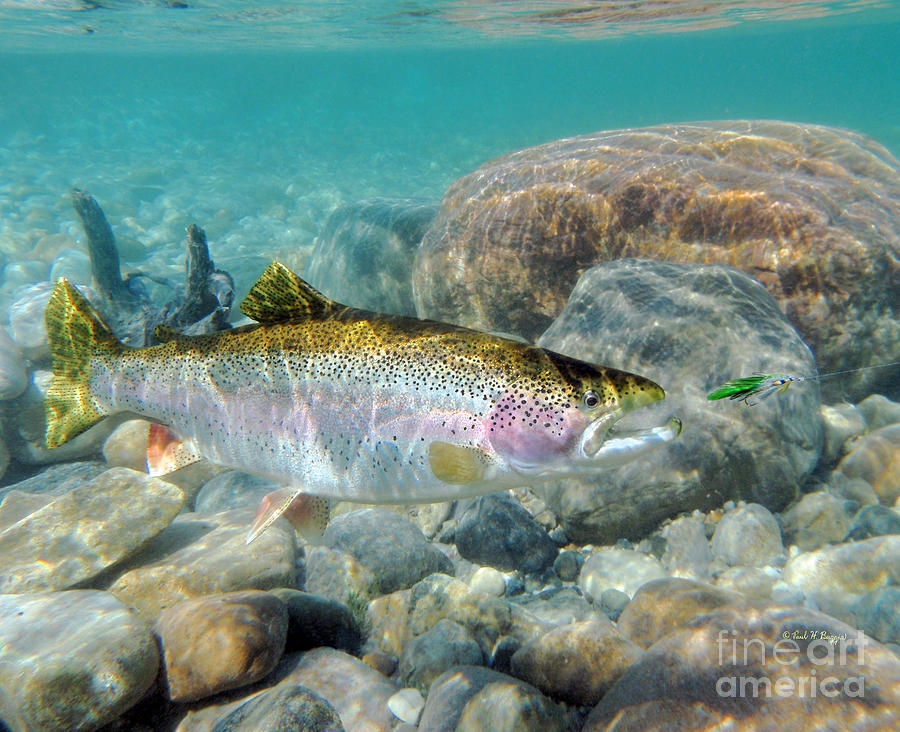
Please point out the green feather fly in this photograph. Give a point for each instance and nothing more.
(762, 385)
(758, 385)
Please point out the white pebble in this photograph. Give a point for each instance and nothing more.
(406, 705)
(488, 581)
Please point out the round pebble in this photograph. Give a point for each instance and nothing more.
(406, 705)
(488, 581)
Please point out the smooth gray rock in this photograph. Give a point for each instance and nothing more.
(615, 568)
(749, 536)
(878, 614)
(488, 581)
(315, 621)
(836, 577)
(429, 655)
(613, 602)
(401, 616)
(80, 534)
(22, 272)
(406, 705)
(471, 698)
(282, 709)
(390, 546)
(26, 317)
(558, 608)
(665, 604)
(126, 447)
(55, 480)
(74, 265)
(687, 549)
(879, 411)
(841, 423)
(358, 693)
(498, 532)
(449, 694)
(817, 519)
(754, 583)
(875, 458)
(874, 521)
(233, 489)
(568, 564)
(852, 489)
(337, 576)
(660, 320)
(364, 255)
(16, 505)
(71, 660)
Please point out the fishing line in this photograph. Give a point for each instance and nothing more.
(850, 371)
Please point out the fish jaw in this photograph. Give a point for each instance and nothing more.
(617, 447)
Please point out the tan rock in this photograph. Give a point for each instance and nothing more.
(201, 555)
(72, 660)
(757, 669)
(576, 663)
(836, 577)
(17, 504)
(806, 209)
(815, 520)
(875, 458)
(220, 642)
(505, 705)
(663, 605)
(357, 692)
(85, 531)
(397, 618)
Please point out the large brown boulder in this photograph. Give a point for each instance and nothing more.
(757, 669)
(812, 212)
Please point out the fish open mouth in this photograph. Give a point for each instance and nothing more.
(603, 444)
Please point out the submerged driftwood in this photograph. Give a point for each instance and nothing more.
(201, 306)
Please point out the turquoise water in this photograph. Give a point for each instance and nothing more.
(258, 132)
(405, 118)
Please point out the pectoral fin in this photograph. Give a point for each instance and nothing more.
(458, 464)
(306, 513)
(166, 452)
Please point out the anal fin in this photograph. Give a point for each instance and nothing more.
(308, 514)
(166, 452)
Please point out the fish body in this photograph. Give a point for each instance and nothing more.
(348, 404)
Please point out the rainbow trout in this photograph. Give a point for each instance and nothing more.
(344, 404)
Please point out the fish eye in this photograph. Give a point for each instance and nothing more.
(591, 399)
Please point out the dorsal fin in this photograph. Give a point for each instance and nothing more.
(280, 295)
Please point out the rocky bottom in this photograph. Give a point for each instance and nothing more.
(132, 603)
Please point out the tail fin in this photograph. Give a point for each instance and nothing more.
(74, 330)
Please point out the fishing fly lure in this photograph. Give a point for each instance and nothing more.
(762, 385)
(759, 386)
